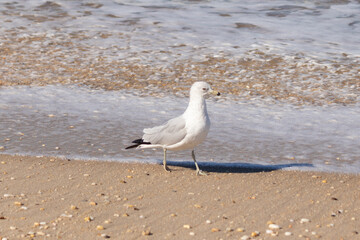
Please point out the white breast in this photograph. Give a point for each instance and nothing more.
(197, 129)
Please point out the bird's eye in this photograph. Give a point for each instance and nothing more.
(204, 89)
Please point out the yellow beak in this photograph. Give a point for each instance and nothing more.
(216, 93)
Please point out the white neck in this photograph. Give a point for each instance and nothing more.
(197, 105)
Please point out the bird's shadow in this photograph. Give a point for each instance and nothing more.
(236, 167)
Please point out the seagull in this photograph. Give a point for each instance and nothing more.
(183, 132)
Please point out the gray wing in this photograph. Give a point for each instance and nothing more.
(170, 133)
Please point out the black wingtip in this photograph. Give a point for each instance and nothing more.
(132, 146)
(137, 142)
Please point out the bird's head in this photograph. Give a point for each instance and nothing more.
(202, 89)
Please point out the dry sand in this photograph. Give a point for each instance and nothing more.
(50, 198)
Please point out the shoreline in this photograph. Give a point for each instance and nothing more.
(52, 198)
(207, 166)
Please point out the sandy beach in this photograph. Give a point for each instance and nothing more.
(83, 78)
(51, 198)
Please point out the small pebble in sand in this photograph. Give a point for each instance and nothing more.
(240, 229)
(245, 237)
(191, 233)
(18, 204)
(88, 219)
(187, 226)
(99, 227)
(93, 203)
(255, 234)
(105, 235)
(208, 221)
(287, 234)
(73, 207)
(274, 226)
(215, 230)
(146, 233)
(304, 220)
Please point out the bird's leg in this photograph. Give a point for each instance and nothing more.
(164, 162)
(198, 171)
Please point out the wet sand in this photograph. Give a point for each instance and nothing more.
(257, 76)
(51, 198)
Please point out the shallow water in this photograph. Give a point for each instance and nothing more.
(299, 52)
(95, 124)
